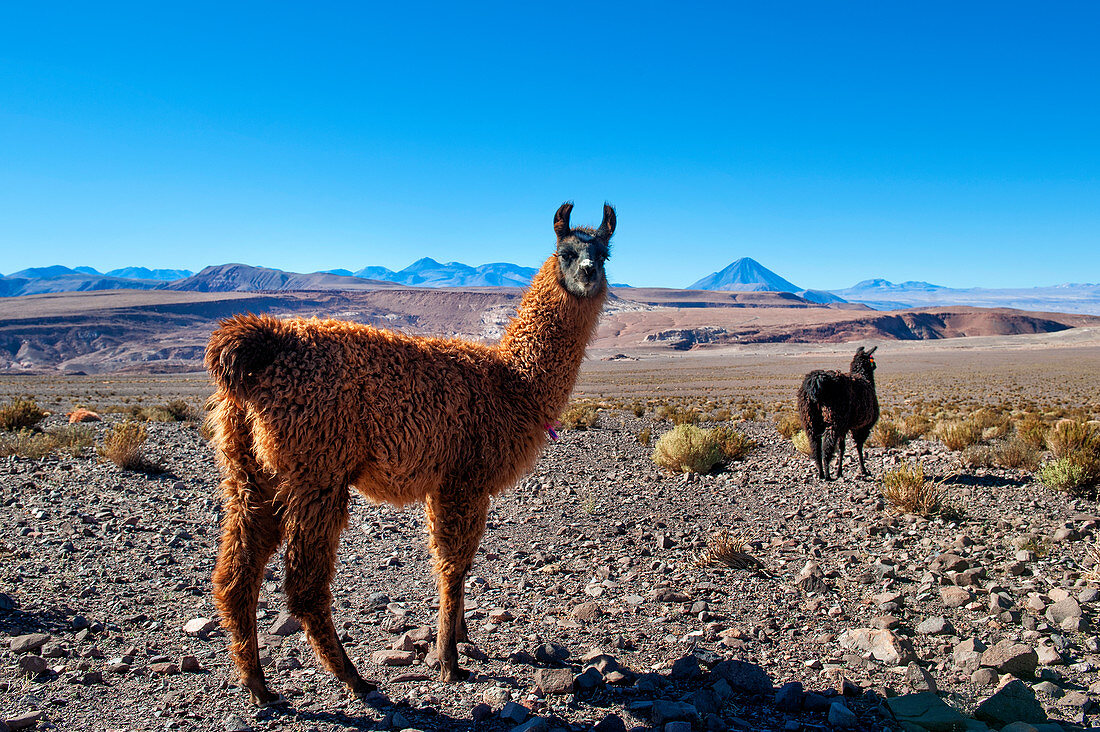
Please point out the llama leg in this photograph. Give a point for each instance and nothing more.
(250, 535)
(829, 443)
(841, 439)
(859, 437)
(312, 538)
(455, 528)
(815, 450)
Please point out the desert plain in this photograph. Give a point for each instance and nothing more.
(595, 600)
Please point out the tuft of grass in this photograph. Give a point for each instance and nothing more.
(20, 414)
(801, 442)
(727, 550)
(907, 490)
(27, 443)
(688, 449)
(638, 409)
(916, 425)
(580, 417)
(123, 447)
(1016, 453)
(73, 438)
(181, 411)
(958, 434)
(733, 444)
(645, 436)
(1033, 431)
(1077, 473)
(787, 424)
(1069, 436)
(993, 425)
(888, 434)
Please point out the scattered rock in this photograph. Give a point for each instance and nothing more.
(1013, 702)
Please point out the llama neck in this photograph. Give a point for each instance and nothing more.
(545, 342)
(862, 374)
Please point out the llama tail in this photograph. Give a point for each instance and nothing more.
(242, 347)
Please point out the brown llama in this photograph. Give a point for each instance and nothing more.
(831, 404)
(306, 409)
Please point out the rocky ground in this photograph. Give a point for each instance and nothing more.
(586, 606)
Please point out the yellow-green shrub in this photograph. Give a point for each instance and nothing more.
(688, 449)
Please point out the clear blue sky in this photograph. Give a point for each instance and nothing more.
(952, 142)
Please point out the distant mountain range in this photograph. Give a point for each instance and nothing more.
(427, 272)
(743, 275)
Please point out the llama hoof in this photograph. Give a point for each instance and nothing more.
(264, 698)
(455, 674)
(362, 688)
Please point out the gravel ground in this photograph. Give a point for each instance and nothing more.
(590, 565)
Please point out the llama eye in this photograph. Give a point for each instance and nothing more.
(568, 255)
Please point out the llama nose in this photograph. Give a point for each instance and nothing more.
(587, 268)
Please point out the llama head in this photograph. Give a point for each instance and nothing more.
(582, 251)
(862, 362)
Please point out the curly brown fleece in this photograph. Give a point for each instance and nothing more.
(306, 409)
(831, 404)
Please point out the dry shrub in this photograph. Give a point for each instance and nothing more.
(916, 425)
(993, 425)
(1069, 436)
(719, 415)
(958, 434)
(20, 414)
(638, 409)
(978, 456)
(123, 446)
(645, 436)
(908, 491)
(688, 449)
(888, 434)
(580, 417)
(733, 444)
(27, 443)
(1016, 453)
(181, 411)
(730, 551)
(787, 424)
(1033, 431)
(750, 414)
(801, 442)
(73, 438)
(1077, 473)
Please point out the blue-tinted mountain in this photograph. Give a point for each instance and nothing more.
(246, 278)
(427, 272)
(885, 295)
(144, 273)
(745, 275)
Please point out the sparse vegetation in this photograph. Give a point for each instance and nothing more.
(787, 424)
(1070, 436)
(887, 434)
(958, 434)
(20, 414)
(727, 550)
(733, 444)
(123, 447)
(1033, 431)
(801, 442)
(688, 449)
(580, 416)
(907, 490)
(1077, 473)
(645, 436)
(27, 443)
(916, 425)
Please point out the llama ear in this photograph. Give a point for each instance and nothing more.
(607, 227)
(873, 349)
(561, 219)
(859, 350)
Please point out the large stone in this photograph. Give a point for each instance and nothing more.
(199, 627)
(1009, 657)
(1013, 702)
(881, 645)
(393, 658)
(789, 697)
(29, 643)
(285, 624)
(968, 655)
(745, 677)
(928, 711)
(554, 680)
(954, 596)
(841, 717)
(1063, 609)
(935, 625)
(671, 711)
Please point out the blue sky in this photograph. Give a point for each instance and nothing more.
(952, 142)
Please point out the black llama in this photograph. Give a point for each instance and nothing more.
(831, 404)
